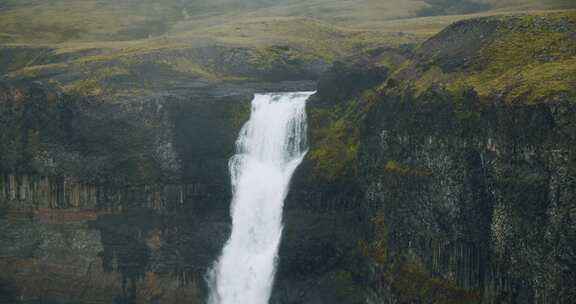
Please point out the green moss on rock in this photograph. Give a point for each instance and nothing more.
(335, 145)
(395, 168)
(377, 249)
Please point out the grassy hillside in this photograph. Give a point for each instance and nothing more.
(527, 58)
(92, 46)
(55, 21)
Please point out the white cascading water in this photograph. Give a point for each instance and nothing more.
(269, 148)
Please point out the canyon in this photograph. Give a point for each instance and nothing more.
(442, 171)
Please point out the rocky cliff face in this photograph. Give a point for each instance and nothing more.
(95, 193)
(471, 208)
(464, 172)
(80, 152)
(124, 199)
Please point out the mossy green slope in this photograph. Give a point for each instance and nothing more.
(527, 58)
(520, 59)
(56, 21)
(75, 43)
(265, 48)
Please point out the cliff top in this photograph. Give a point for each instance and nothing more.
(129, 47)
(526, 58)
(58, 21)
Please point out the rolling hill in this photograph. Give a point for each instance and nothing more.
(83, 45)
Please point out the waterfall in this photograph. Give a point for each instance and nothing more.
(269, 148)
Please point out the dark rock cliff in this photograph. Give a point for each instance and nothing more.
(462, 162)
(471, 208)
(97, 147)
(115, 200)
(108, 196)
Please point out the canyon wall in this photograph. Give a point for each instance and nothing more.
(113, 201)
(463, 164)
